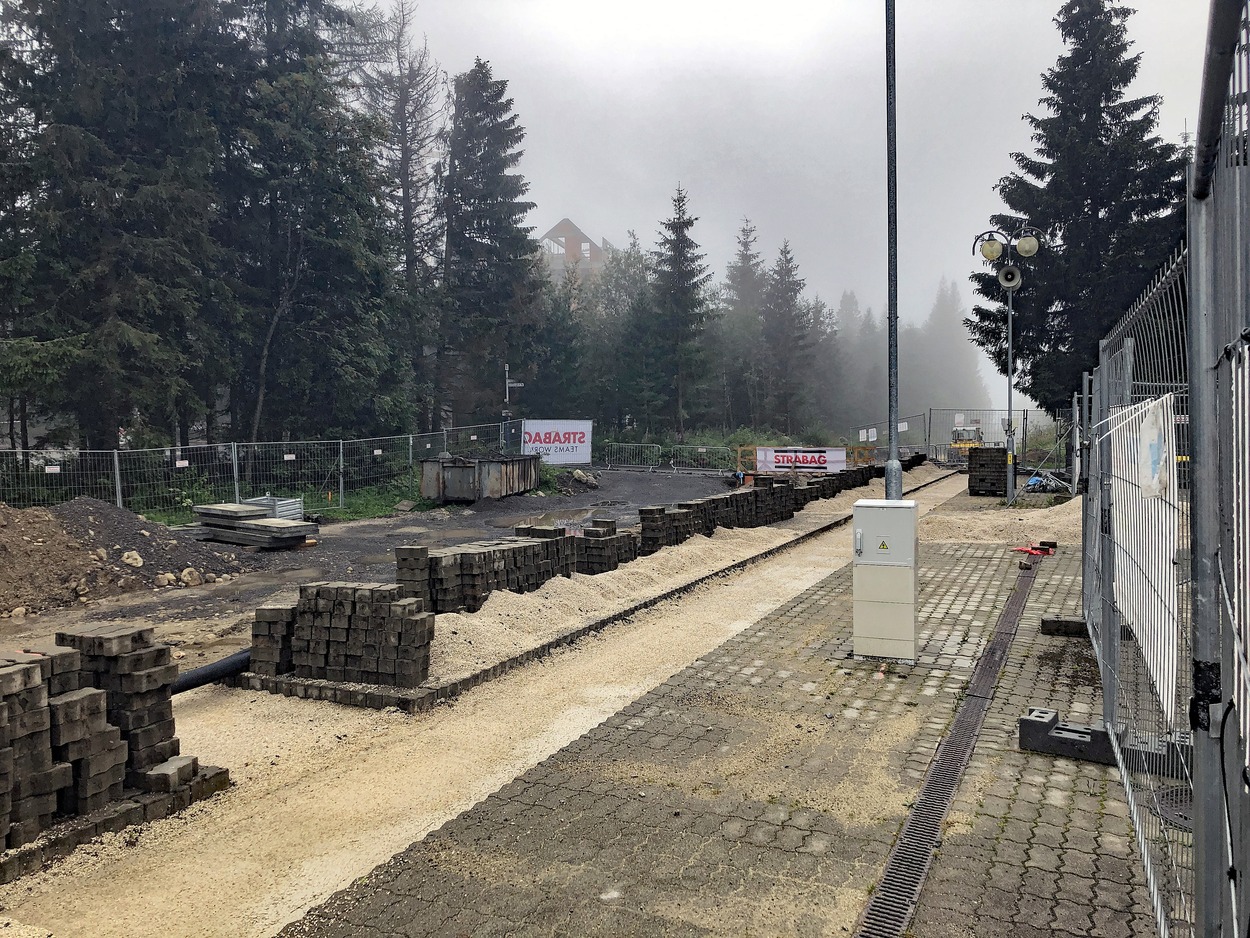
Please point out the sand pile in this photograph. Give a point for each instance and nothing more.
(998, 525)
(510, 623)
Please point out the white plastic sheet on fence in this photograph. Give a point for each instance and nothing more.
(1146, 519)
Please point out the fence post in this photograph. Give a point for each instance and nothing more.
(342, 481)
(410, 451)
(445, 447)
(117, 477)
(1109, 640)
(1024, 436)
(234, 465)
(1209, 848)
(1074, 441)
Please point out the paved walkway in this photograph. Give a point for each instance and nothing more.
(759, 790)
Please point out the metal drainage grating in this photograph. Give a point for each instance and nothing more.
(894, 901)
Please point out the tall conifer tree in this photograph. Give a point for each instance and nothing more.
(1106, 192)
(680, 306)
(491, 273)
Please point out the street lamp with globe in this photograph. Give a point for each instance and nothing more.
(993, 245)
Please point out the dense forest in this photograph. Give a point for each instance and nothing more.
(274, 219)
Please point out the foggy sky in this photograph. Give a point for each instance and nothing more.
(776, 111)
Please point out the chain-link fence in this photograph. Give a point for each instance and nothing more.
(1136, 576)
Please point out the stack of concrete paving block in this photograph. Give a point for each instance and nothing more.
(683, 524)
(272, 633)
(412, 573)
(987, 471)
(480, 565)
(598, 549)
(657, 528)
(137, 675)
(83, 738)
(369, 635)
(445, 581)
(34, 778)
(559, 546)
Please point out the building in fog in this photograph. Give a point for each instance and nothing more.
(566, 246)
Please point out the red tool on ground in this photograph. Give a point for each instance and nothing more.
(1034, 550)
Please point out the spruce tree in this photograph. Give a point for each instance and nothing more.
(745, 280)
(491, 274)
(120, 98)
(680, 305)
(1105, 191)
(787, 339)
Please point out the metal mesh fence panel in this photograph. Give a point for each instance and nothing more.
(1136, 589)
(632, 455)
(951, 431)
(510, 436)
(709, 458)
(481, 440)
(873, 439)
(307, 470)
(165, 483)
(383, 467)
(51, 476)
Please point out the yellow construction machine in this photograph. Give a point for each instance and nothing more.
(962, 440)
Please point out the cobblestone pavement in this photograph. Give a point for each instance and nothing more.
(759, 790)
(1038, 845)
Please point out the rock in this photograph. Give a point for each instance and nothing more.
(145, 533)
(19, 612)
(581, 476)
(132, 559)
(210, 578)
(191, 577)
(163, 579)
(405, 505)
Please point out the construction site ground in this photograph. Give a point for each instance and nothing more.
(713, 765)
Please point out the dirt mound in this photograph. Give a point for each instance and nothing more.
(88, 549)
(39, 561)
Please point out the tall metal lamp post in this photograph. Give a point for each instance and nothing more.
(992, 245)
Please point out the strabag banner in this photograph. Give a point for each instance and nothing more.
(797, 459)
(558, 442)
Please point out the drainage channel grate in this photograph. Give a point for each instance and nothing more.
(894, 900)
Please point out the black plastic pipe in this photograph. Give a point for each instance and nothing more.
(218, 670)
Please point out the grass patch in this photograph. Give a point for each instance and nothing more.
(374, 502)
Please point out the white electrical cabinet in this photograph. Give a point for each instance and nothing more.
(886, 556)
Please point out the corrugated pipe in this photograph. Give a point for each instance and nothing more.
(1222, 31)
(218, 670)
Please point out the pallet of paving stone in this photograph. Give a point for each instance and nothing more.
(353, 632)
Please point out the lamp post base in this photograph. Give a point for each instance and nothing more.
(893, 479)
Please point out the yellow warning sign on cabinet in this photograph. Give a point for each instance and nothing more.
(884, 546)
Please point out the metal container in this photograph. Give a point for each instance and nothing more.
(290, 509)
(458, 479)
